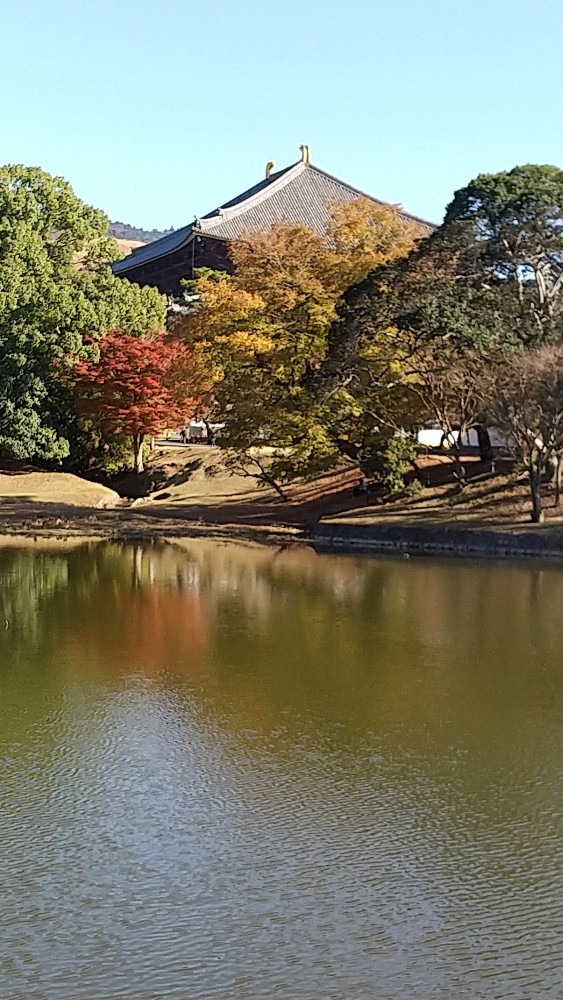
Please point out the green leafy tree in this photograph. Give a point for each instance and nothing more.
(508, 228)
(490, 278)
(420, 336)
(389, 461)
(55, 289)
(388, 325)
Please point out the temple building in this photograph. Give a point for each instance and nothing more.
(299, 194)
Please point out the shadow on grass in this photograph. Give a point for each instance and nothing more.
(27, 508)
(185, 474)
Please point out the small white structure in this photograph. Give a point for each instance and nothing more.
(196, 431)
(432, 436)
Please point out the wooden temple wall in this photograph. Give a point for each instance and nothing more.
(166, 273)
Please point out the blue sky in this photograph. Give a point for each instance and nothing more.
(158, 110)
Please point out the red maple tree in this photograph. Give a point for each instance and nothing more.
(136, 388)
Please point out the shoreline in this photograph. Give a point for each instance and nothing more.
(533, 542)
(95, 524)
(401, 539)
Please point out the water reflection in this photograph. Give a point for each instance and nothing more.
(231, 770)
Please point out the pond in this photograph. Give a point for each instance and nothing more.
(240, 771)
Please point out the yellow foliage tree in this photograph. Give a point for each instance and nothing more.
(260, 335)
(364, 235)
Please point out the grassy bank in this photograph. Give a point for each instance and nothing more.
(190, 493)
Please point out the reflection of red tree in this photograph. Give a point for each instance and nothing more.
(146, 630)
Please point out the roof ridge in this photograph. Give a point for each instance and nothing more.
(219, 224)
(351, 187)
(364, 194)
(154, 243)
(223, 214)
(205, 222)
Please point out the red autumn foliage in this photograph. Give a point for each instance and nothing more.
(136, 388)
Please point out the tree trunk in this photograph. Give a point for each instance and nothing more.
(558, 479)
(484, 442)
(534, 474)
(210, 433)
(137, 566)
(459, 469)
(138, 452)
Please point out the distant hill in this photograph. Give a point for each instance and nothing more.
(123, 231)
(127, 246)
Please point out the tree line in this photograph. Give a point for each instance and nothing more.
(341, 347)
(319, 348)
(123, 231)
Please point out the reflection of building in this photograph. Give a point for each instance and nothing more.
(298, 194)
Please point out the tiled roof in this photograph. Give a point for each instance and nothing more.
(166, 244)
(299, 194)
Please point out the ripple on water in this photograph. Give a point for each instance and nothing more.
(344, 834)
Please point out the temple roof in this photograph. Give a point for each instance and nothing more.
(300, 194)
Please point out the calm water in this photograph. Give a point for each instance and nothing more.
(234, 772)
